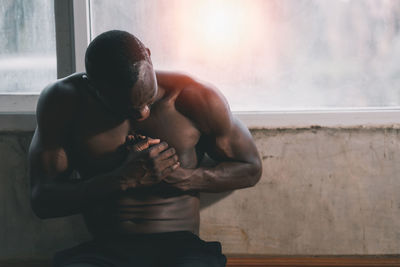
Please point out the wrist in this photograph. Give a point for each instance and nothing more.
(198, 180)
(187, 179)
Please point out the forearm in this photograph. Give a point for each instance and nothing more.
(62, 199)
(225, 176)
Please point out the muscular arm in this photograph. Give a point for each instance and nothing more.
(53, 194)
(226, 140)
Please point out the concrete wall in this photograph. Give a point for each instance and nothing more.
(323, 192)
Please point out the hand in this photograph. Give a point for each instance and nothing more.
(147, 163)
(138, 142)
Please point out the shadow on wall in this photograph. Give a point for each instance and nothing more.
(208, 199)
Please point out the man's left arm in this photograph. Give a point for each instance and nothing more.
(225, 139)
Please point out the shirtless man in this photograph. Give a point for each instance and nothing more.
(139, 173)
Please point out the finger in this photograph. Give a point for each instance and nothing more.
(128, 142)
(167, 163)
(170, 169)
(156, 149)
(175, 166)
(142, 145)
(135, 137)
(167, 153)
(153, 141)
(129, 137)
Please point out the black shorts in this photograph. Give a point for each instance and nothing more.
(161, 249)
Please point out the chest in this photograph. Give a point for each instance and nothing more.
(169, 125)
(98, 140)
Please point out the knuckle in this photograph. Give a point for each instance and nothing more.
(152, 153)
(168, 162)
(163, 145)
(167, 154)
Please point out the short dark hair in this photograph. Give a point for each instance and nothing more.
(110, 59)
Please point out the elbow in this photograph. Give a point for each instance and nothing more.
(38, 210)
(256, 171)
(38, 206)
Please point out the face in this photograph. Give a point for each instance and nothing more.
(143, 94)
(135, 102)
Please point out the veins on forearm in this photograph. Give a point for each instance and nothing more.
(223, 177)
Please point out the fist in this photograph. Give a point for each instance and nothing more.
(149, 161)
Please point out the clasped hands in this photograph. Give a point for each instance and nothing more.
(150, 161)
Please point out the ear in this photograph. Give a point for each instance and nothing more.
(95, 92)
(92, 89)
(148, 51)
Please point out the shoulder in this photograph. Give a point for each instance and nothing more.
(59, 101)
(205, 105)
(173, 81)
(65, 88)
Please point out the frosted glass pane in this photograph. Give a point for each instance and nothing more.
(272, 55)
(27, 45)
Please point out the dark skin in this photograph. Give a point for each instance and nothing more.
(136, 184)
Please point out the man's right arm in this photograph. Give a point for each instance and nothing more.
(53, 194)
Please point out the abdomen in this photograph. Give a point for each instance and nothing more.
(145, 213)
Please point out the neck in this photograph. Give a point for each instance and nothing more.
(160, 94)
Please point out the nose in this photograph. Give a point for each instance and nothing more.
(144, 113)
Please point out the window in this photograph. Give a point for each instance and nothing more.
(27, 45)
(280, 63)
(272, 55)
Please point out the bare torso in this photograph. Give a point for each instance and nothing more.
(95, 148)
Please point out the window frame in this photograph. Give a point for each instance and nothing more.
(73, 34)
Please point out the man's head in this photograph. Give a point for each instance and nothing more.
(119, 68)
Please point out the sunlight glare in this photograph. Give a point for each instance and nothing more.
(220, 28)
(221, 23)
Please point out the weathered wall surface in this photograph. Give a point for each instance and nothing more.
(323, 191)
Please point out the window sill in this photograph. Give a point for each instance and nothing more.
(26, 120)
(334, 118)
(17, 113)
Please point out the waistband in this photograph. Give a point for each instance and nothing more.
(177, 235)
